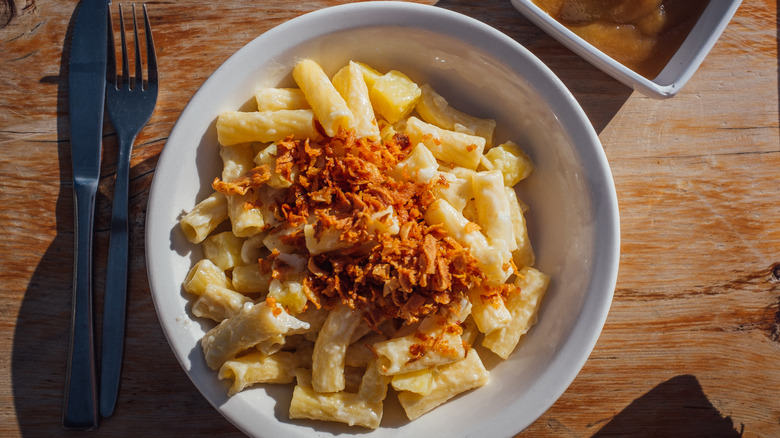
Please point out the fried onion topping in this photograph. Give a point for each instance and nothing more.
(390, 262)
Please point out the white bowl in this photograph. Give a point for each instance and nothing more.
(678, 70)
(573, 217)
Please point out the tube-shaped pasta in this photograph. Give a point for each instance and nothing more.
(330, 349)
(236, 160)
(456, 189)
(344, 407)
(448, 146)
(328, 105)
(491, 262)
(274, 99)
(370, 74)
(415, 351)
(204, 218)
(218, 303)
(204, 273)
(271, 345)
(253, 324)
(488, 309)
(276, 238)
(524, 254)
(327, 241)
(224, 249)
(245, 219)
(259, 368)
(384, 221)
(433, 108)
(234, 127)
(373, 385)
(420, 166)
(418, 382)
(449, 381)
(524, 307)
(253, 249)
(268, 156)
(360, 353)
(493, 209)
(350, 84)
(250, 279)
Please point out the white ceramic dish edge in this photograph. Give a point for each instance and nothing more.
(678, 71)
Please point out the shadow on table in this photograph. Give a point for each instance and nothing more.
(600, 96)
(679, 405)
(42, 330)
(155, 392)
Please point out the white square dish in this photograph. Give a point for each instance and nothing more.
(678, 70)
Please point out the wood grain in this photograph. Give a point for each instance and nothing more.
(692, 343)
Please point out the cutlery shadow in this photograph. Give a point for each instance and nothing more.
(155, 393)
(43, 324)
(600, 96)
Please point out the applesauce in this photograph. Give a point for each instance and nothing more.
(643, 35)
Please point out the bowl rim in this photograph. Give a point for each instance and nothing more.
(678, 71)
(585, 331)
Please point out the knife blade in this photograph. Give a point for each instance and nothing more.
(86, 102)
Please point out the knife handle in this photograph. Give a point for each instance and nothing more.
(115, 302)
(80, 407)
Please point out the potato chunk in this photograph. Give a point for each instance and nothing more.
(512, 161)
(394, 95)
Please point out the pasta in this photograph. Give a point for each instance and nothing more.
(218, 303)
(447, 382)
(331, 347)
(345, 407)
(435, 109)
(352, 86)
(524, 307)
(235, 127)
(453, 147)
(251, 325)
(204, 218)
(363, 234)
(329, 107)
(274, 99)
(203, 274)
(257, 367)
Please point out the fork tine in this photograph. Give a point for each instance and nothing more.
(111, 60)
(139, 72)
(151, 56)
(125, 61)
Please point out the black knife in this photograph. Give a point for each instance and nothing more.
(86, 100)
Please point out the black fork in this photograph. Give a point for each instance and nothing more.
(129, 103)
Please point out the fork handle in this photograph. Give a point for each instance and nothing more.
(80, 408)
(115, 302)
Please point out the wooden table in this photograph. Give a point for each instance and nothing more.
(692, 343)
